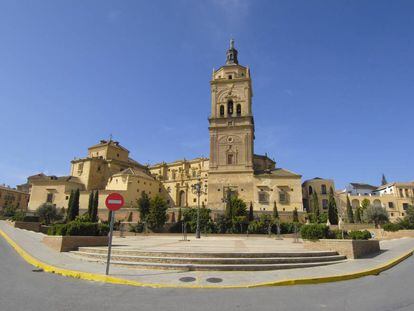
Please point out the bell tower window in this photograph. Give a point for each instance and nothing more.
(238, 110)
(230, 107)
(221, 111)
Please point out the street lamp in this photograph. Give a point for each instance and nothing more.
(198, 190)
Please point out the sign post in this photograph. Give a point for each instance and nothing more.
(113, 202)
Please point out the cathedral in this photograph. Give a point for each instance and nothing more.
(232, 169)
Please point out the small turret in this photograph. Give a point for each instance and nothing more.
(232, 55)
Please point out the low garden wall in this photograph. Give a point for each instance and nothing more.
(352, 249)
(32, 226)
(69, 243)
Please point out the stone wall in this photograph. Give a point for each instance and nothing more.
(352, 249)
(32, 226)
(70, 243)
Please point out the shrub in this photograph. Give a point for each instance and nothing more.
(18, 216)
(287, 227)
(314, 231)
(48, 213)
(360, 235)
(391, 227)
(137, 228)
(31, 219)
(323, 218)
(77, 228)
(337, 234)
(257, 227)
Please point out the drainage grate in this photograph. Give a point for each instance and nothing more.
(37, 270)
(187, 279)
(214, 280)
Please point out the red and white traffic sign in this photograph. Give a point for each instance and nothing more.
(114, 201)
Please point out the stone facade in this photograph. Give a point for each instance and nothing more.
(232, 167)
(13, 197)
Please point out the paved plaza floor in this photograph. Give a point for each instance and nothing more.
(31, 243)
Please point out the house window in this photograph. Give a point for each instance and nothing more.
(67, 197)
(49, 198)
(194, 200)
(323, 189)
(405, 206)
(230, 107)
(391, 204)
(230, 77)
(282, 197)
(230, 159)
(401, 193)
(324, 203)
(117, 155)
(221, 111)
(310, 190)
(263, 197)
(238, 110)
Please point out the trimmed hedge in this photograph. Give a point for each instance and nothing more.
(314, 232)
(360, 235)
(391, 227)
(77, 228)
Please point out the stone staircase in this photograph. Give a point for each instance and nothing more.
(208, 261)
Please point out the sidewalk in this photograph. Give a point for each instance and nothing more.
(30, 242)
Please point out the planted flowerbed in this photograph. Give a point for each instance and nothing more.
(354, 244)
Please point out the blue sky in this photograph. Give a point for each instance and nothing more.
(333, 82)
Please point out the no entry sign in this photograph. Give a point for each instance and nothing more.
(114, 201)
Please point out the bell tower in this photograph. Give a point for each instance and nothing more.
(231, 129)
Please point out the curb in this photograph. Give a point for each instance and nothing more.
(119, 281)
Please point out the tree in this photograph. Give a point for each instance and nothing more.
(180, 215)
(237, 207)
(275, 212)
(90, 205)
(383, 180)
(143, 206)
(315, 206)
(357, 215)
(157, 215)
(251, 214)
(47, 213)
(70, 204)
(349, 212)
(376, 214)
(73, 210)
(332, 208)
(364, 206)
(190, 217)
(295, 215)
(94, 215)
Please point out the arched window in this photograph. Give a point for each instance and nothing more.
(230, 159)
(238, 109)
(230, 107)
(221, 111)
(323, 189)
(310, 190)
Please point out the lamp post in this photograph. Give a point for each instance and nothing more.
(197, 189)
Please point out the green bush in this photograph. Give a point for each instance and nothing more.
(391, 227)
(77, 228)
(287, 227)
(18, 216)
(314, 231)
(257, 227)
(337, 234)
(360, 235)
(137, 228)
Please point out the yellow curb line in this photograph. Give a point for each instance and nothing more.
(114, 280)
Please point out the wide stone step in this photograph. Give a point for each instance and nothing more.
(217, 267)
(209, 260)
(135, 252)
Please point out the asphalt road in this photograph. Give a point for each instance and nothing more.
(26, 290)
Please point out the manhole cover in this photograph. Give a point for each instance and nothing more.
(37, 270)
(187, 279)
(214, 280)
